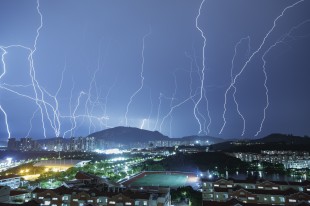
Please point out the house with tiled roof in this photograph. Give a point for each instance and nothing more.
(256, 191)
(93, 190)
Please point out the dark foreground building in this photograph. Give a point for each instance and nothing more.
(255, 192)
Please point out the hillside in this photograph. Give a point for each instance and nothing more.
(286, 139)
(128, 135)
(270, 142)
(131, 134)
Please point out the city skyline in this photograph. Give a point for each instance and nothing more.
(224, 69)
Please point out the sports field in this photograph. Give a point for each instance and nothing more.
(169, 180)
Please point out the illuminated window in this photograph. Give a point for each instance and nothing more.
(229, 185)
(47, 202)
(128, 203)
(292, 200)
(75, 200)
(275, 188)
(216, 185)
(40, 198)
(90, 201)
(272, 199)
(144, 202)
(112, 202)
(54, 198)
(65, 198)
(260, 187)
(137, 203)
(251, 198)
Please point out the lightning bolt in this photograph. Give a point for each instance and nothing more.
(158, 111)
(142, 124)
(70, 111)
(34, 113)
(56, 124)
(171, 103)
(4, 52)
(281, 40)
(3, 111)
(141, 76)
(48, 110)
(202, 92)
(196, 111)
(39, 94)
(6, 122)
(151, 110)
(234, 88)
(74, 116)
(106, 103)
(261, 45)
(89, 102)
(173, 108)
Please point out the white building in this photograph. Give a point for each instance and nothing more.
(297, 164)
(13, 181)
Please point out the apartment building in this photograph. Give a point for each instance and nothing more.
(88, 189)
(290, 159)
(13, 181)
(256, 192)
(71, 197)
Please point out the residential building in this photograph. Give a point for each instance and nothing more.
(13, 181)
(19, 196)
(88, 189)
(290, 159)
(256, 192)
(4, 193)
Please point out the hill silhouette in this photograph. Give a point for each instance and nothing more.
(283, 138)
(270, 142)
(129, 135)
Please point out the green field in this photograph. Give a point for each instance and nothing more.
(171, 180)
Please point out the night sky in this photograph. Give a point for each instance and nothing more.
(162, 65)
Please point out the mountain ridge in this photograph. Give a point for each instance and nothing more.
(123, 134)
